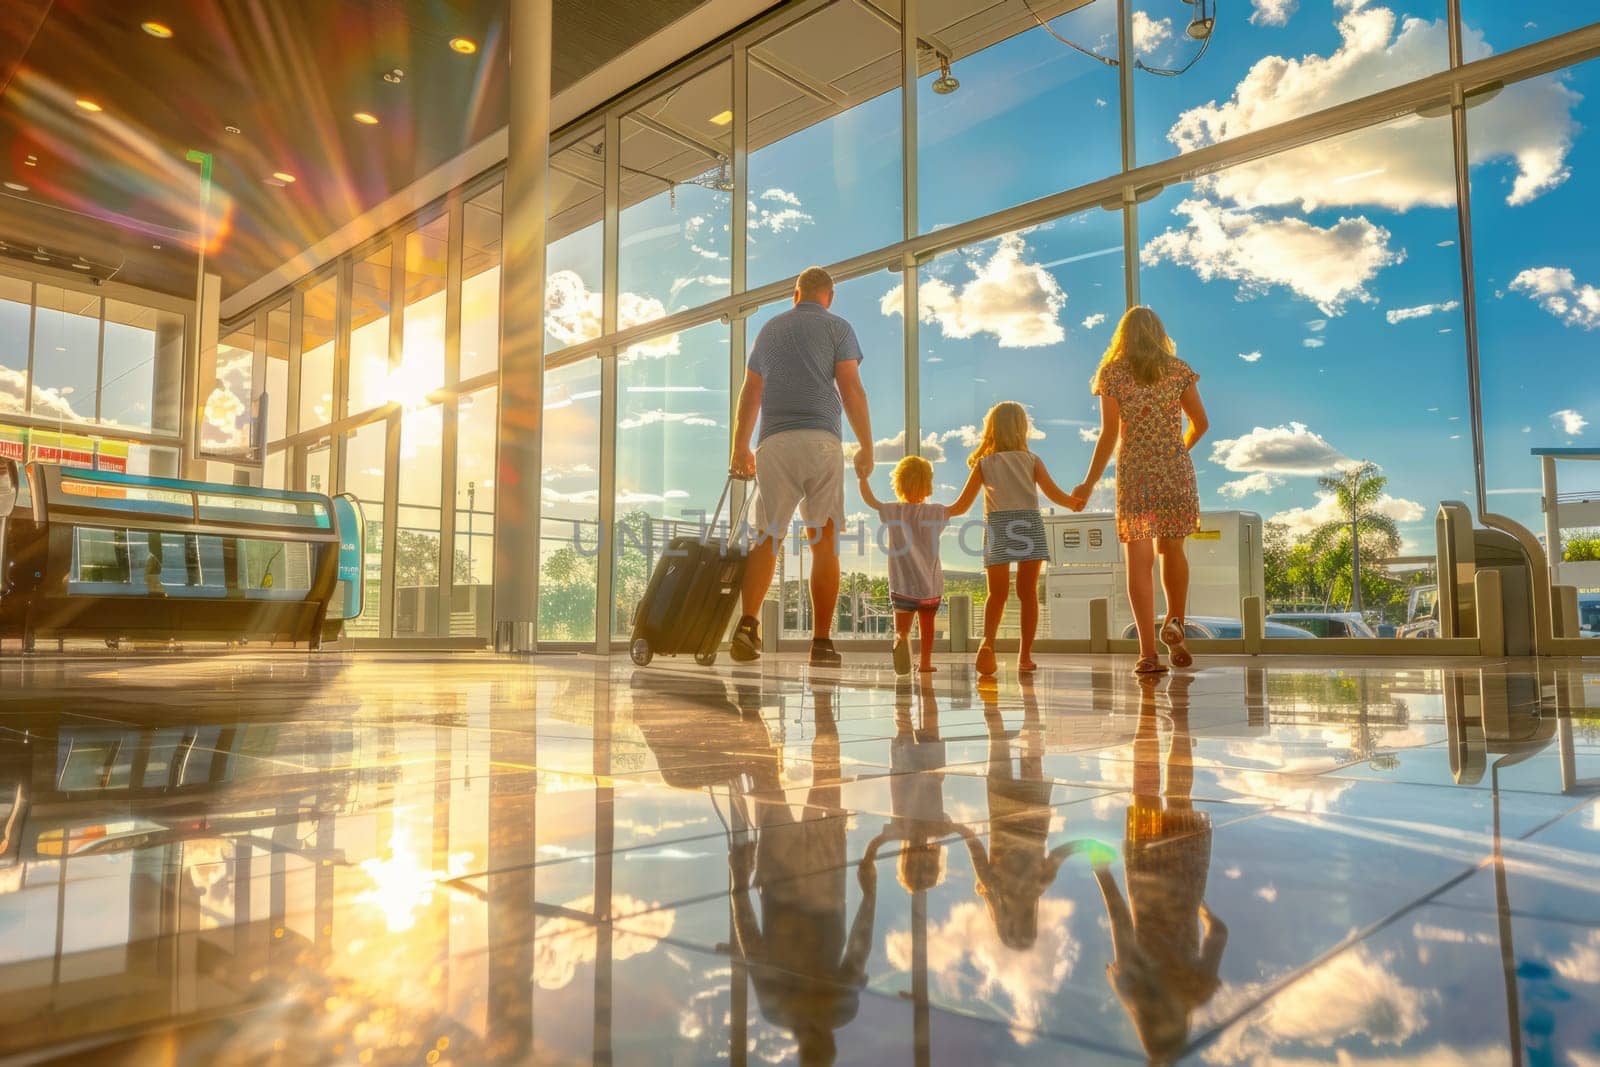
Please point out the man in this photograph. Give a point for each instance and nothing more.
(804, 368)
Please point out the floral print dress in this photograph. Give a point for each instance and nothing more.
(1156, 494)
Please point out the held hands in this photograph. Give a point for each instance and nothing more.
(743, 463)
(864, 460)
(1081, 495)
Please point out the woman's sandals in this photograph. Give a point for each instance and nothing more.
(1173, 637)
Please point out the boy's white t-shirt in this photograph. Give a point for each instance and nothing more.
(913, 532)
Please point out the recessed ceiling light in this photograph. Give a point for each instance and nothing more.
(31, 161)
(16, 187)
(80, 266)
(283, 176)
(722, 118)
(44, 259)
(156, 247)
(230, 129)
(395, 76)
(156, 29)
(465, 45)
(88, 105)
(366, 118)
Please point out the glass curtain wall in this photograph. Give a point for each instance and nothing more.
(1312, 273)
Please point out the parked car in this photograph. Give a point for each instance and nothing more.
(1326, 623)
(1589, 614)
(1208, 626)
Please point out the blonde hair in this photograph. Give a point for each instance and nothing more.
(1005, 429)
(913, 476)
(1142, 345)
(921, 865)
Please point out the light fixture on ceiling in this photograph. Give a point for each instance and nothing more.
(395, 76)
(156, 247)
(283, 176)
(31, 161)
(1203, 20)
(946, 83)
(230, 129)
(44, 259)
(16, 187)
(464, 45)
(79, 264)
(722, 118)
(158, 30)
(88, 105)
(366, 118)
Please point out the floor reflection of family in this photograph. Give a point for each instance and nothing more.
(792, 933)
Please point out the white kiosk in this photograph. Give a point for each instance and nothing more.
(1086, 563)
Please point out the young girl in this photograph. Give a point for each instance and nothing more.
(1011, 478)
(1145, 390)
(916, 577)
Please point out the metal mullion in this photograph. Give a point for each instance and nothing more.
(1130, 152)
(100, 364)
(291, 413)
(450, 408)
(391, 520)
(397, 296)
(740, 232)
(911, 344)
(1469, 300)
(605, 561)
(258, 387)
(342, 314)
(33, 340)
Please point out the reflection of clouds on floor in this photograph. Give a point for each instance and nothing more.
(561, 944)
(1355, 993)
(1582, 962)
(966, 958)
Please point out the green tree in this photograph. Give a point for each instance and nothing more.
(1356, 492)
(416, 561)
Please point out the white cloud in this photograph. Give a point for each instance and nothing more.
(1291, 449)
(1353, 993)
(655, 416)
(1557, 291)
(1017, 302)
(1568, 421)
(1529, 123)
(1259, 482)
(1150, 34)
(572, 313)
(1400, 165)
(680, 284)
(1313, 342)
(1272, 12)
(1091, 321)
(891, 450)
(1327, 266)
(965, 950)
(1089, 434)
(1445, 244)
(786, 219)
(1250, 357)
(782, 196)
(1302, 521)
(1316, 325)
(1396, 315)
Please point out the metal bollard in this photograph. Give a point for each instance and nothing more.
(1099, 625)
(959, 621)
(771, 619)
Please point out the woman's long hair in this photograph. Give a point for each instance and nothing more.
(1142, 345)
(1005, 429)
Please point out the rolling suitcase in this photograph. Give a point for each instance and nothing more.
(692, 593)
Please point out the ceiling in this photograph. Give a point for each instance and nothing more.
(112, 191)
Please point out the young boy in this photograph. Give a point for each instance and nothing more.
(916, 578)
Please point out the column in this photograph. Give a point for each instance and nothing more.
(517, 476)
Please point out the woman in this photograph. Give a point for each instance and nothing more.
(1145, 390)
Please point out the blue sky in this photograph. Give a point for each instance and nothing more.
(1317, 292)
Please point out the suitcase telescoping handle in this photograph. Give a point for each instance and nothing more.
(744, 508)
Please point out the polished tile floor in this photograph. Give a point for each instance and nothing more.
(464, 859)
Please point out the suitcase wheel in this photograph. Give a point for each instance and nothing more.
(706, 659)
(640, 652)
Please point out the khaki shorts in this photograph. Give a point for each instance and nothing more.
(801, 469)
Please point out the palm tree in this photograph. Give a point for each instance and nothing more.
(1356, 492)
